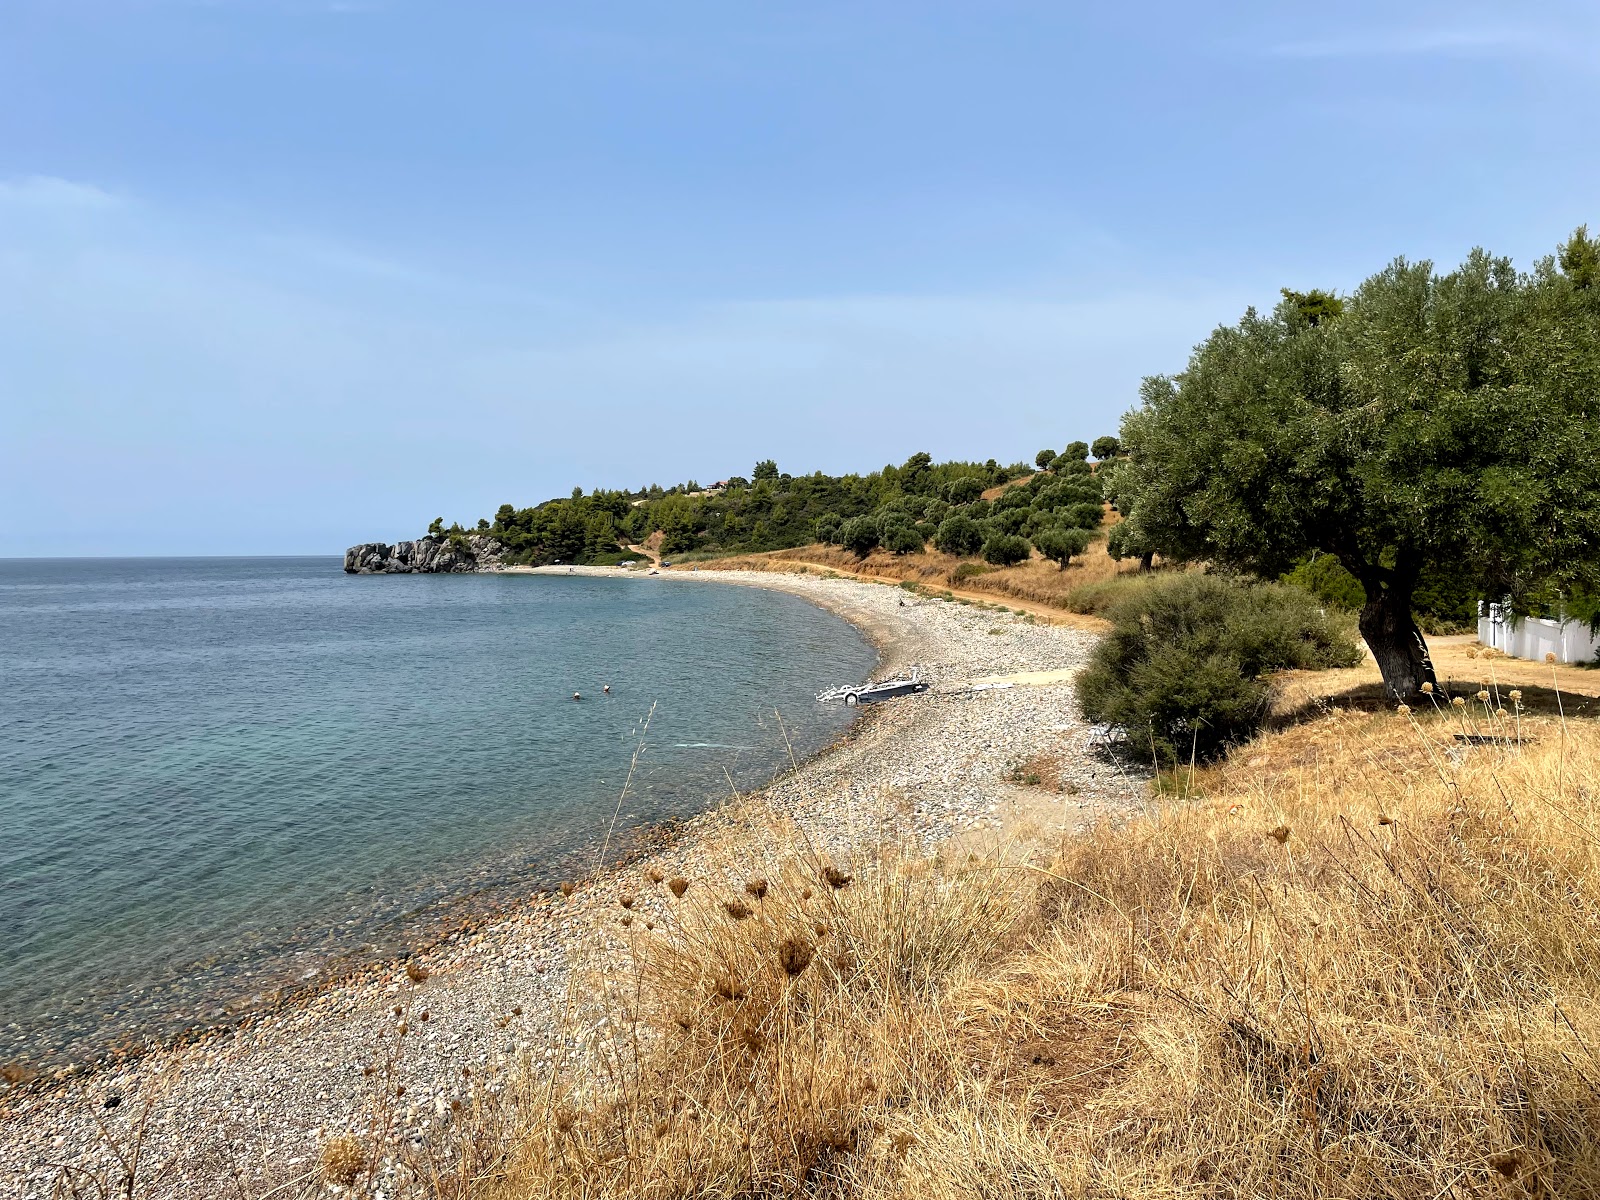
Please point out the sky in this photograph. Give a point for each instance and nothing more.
(278, 276)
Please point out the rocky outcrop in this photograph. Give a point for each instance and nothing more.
(427, 554)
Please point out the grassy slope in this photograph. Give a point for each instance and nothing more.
(1356, 959)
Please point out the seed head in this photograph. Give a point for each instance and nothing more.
(677, 885)
(737, 909)
(654, 875)
(805, 893)
(416, 972)
(1279, 835)
(1516, 695)
(1427, 689)
(834, 877)
(1404, 710)
(1385, 819)
(1458, 702)
(565, 1117)
(625, 901)
(566, 889)
(398, 1011)
(626, 918)
(1550, 656)
(1483, 694)
(729, 988)
(1501, 713)
(757, 888)
(343, 1160)
(795, 955)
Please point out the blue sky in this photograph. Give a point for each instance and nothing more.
(281, 275)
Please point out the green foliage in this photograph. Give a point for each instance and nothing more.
(1005, 549)
(1076, 451)
(903, 539)
(1431, 425)
(827, 528)
(967, 570)
(959, 535)
(1180, 672)
(765, 471)
(436, 527)
(1105, 447)
(1043, 459)
(860, 535)
(1060, 544)
(1324, 576)
(1314, 307)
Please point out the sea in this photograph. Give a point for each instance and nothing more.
(225, 780)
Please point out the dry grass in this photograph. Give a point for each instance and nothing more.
(1037, 585)
(1355, 960)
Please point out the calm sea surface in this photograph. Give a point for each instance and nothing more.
(222, 777)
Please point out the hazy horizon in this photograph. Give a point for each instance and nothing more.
(279, 276)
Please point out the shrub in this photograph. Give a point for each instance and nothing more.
(959, 535)
(965, 571)
(902, 539)
(1006, 550)
(1180, 672)
(1008, 520)
(1060, 545)
(827, 528)
(1106, 447)
(964, 490)
(860, 535)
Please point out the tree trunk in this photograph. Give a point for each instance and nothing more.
(1395, 641)
(1147, 560)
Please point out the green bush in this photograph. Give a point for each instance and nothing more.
(902, 539)
(827, 528)
(959, 535)
(1061, 545)
(860, 535)
(1180, 673)
(964, 490)
(1006, 549)
(965, 571)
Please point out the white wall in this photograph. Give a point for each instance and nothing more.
(1534, 637)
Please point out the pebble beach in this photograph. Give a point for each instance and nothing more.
(247, 1112)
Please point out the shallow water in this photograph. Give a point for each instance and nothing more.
(222, 776)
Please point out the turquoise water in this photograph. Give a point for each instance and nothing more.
(223, 777)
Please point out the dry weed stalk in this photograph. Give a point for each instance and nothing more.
(1398, 1000)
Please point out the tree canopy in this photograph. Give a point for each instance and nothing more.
(1428, 420)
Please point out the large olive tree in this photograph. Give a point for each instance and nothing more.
(1430, 420)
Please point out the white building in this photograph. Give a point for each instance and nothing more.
(1534, 637)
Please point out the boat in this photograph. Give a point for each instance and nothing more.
(870, 693)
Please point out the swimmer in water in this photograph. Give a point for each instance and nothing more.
(606, 689)
(576, 696)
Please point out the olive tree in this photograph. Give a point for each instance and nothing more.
(1428, 420)
(1061, 545)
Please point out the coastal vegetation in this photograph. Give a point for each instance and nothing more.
(1433, 432)
(899, 508)
(1347, 962)
(1184, 670)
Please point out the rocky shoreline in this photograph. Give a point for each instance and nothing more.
(434, 554)
(249, 1111)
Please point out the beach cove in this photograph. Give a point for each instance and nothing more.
(255, 1106)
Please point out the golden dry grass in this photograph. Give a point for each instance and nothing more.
(1037, 585)
(1356, 959)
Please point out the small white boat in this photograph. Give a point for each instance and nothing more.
(870, 693)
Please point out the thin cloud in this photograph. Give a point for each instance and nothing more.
(1465, 43)
(49, 191)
